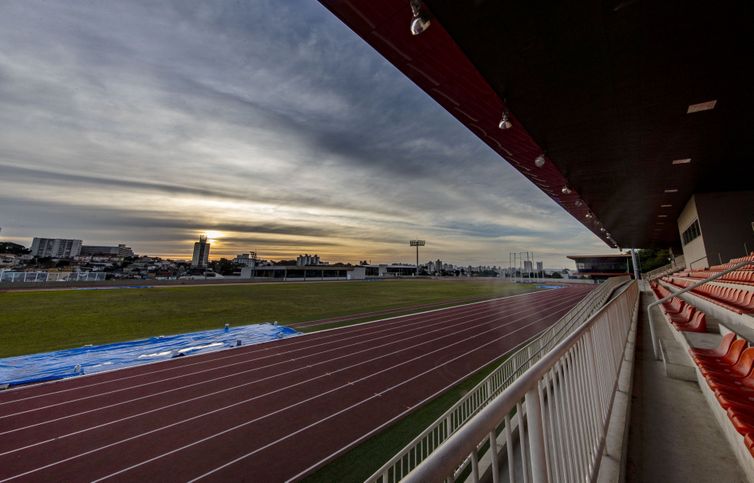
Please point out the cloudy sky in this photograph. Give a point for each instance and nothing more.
(267, 124)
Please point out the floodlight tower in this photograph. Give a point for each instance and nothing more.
(417, 244)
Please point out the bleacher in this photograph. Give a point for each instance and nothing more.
(728, 369)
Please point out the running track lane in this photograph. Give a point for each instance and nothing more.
(269, 412)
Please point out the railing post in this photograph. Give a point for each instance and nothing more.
(535, 431)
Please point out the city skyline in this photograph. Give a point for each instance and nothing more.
(272, 126)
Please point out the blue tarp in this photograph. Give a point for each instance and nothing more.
(48, 366)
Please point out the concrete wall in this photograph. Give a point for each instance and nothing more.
(726, 221)
(694, 250)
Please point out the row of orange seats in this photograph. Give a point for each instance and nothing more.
(733, 262)
(729, 372)
(682, 315)
(736, 299)
(744, 277)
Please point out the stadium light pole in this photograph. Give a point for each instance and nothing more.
(417, 244)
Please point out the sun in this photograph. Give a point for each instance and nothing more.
(214, 236)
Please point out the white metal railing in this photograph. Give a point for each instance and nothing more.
(478, 397)
(7, 276)
(678, 263)
(550, 424)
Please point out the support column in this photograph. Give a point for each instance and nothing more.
(635, 261)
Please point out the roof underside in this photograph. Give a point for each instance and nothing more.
(602, 88)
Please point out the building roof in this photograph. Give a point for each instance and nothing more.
(603, 89)
(611, 255)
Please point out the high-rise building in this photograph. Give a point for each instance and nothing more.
(55, 247)
(201, 253)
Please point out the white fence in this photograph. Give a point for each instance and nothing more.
(42, 277)
(549, 425)
(678, 263)
(513, 367)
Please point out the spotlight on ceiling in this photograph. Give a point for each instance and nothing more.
(540, 161)
(420, 22)
(589, 216)
(579, 203)
(566, 190)
(602, 229)
(505, 122)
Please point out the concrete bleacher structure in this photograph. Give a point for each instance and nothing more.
(713, 325)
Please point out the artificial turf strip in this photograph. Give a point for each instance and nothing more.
(361, 462)
(32, 322)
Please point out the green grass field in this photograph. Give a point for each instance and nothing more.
(33, 322)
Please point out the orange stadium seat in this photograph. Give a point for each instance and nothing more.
(728, 360)
(739, 370)
(717, 352)
(698, 323)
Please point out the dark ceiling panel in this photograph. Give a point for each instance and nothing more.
(601, 87)
(605, 92)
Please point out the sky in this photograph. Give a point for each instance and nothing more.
(268, 125)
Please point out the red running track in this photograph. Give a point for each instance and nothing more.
(269, 412)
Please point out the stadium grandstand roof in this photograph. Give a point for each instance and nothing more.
(635, 105)
(609, 255)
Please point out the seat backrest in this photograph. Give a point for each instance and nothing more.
(725, 343)
(745, 362)
(736, 348)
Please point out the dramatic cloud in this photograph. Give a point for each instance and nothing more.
(268, 123)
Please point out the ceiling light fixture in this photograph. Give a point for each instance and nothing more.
(602, 229)
(420, 21)
(540, 161)
(666, 206)
(671, 190)
(682, 161)
(701, 106)
(579, 203)
(589, 216)
(505, 122)
(566, 190)
(662, 216)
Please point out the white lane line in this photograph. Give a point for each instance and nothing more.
(252, 399)
(441, 319)
(362, 327)
(290, 435)
(465, 329)
(477, 321)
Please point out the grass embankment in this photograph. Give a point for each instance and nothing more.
(42, 321)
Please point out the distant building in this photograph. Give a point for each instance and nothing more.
(601, 266)
(246, 259)
(55, 248)
(305, 260)
(120, 251)
(201, 253)
(540, 267)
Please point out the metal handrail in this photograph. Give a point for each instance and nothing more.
(444, 460)
(691, 264)
(655, 342)
(496, 382)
